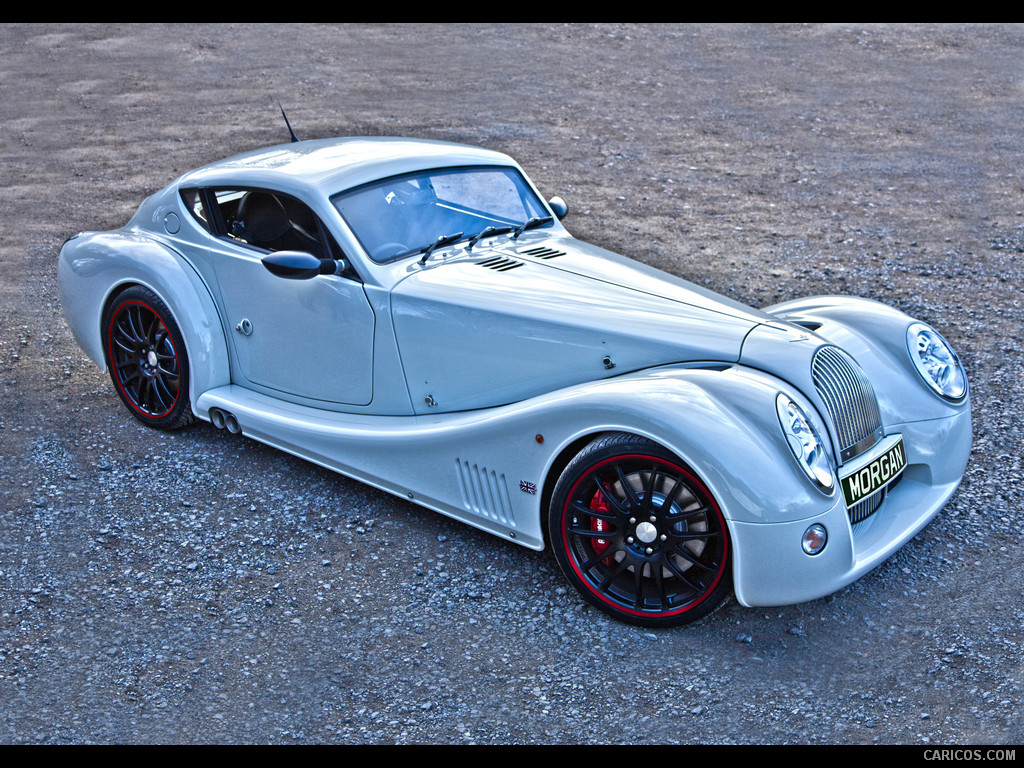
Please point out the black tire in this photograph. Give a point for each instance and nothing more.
(147, 360)
(639, 534)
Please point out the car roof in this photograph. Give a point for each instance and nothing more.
(332, 165)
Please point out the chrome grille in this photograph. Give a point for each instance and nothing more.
(862, 510)
(850, 400)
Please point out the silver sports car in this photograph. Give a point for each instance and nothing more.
(414, 315)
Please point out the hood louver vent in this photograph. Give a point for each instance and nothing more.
(500, 263)
(543, 253)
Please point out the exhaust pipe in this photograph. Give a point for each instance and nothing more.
(217, 418)
(232, 424)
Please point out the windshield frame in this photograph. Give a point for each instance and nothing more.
(527, 193)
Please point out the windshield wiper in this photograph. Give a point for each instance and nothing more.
(486, 232)
(441, 241)
(530, 223)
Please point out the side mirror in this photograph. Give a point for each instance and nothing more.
(299, 265)
(558, 205)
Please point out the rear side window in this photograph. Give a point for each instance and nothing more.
(194, 203)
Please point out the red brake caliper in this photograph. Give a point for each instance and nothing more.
(598, 504)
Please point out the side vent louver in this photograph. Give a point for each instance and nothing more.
(543, 253)
(484, 492)
(500, 263)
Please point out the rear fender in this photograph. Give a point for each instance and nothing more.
(95, 266)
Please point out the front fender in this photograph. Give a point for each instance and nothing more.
(876, 336)
(93, 266)
(722, 422)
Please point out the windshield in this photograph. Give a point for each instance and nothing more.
(405, 215)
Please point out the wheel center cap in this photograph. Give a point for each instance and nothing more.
(151, 358)
(646, 533)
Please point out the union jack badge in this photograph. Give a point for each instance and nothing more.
(527, 487)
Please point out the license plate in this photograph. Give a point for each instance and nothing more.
(874, 475)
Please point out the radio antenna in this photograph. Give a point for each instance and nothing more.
(290, 131)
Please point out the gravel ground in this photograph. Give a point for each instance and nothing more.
(192, 587)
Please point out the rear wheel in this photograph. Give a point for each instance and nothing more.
(147, 359)
(639, 534)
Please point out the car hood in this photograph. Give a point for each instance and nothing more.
(511, 321)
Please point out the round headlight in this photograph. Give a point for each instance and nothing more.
(936, 361)
(804, 442)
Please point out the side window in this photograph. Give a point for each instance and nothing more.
(272, 221)
(194, 203)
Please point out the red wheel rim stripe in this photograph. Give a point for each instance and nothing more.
(117, 375)
(714, 506)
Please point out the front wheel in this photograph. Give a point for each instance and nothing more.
(639, 534)
(147, 360)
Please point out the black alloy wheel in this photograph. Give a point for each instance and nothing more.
(639, 534)
(147, 359)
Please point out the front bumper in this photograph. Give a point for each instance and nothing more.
(771, 568)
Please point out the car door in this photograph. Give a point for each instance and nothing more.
(310, 339)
